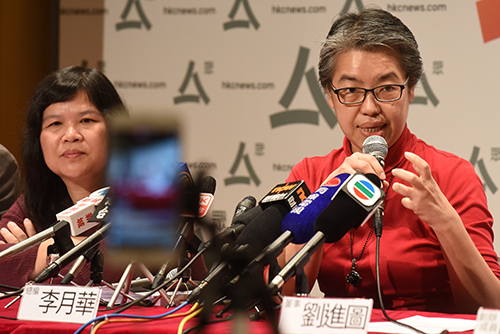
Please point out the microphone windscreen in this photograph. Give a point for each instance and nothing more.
(207, 185)
(263, 230)
(246, 217)
(300, 221)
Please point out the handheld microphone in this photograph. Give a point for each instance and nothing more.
(53, 269)
(257, 235)
(351, 207)
(377, 146)
(102, 210)
(285, 196)
(73, 220)
(207, 190)
(231, 232)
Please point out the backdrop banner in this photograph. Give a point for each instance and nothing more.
(241, 75)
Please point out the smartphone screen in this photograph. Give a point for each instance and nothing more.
(142, 175)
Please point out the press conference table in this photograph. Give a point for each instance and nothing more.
(167, 325)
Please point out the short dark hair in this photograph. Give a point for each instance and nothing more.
(45, 193)
(370, 29)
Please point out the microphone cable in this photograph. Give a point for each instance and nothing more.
(168, 315)
(136, 301)
(378, 223)
(164, 284)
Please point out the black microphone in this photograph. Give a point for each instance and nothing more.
(288, 195)
(351, 207)
(229, 235)
(257, 235)
(77, 266)
(261, 231)
(206, 188)
(53, 269)
(244, 205)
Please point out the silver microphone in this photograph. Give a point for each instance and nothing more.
(376, 146)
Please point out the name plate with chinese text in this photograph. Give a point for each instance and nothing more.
(60, 303)
(300, 315)
(487, 321)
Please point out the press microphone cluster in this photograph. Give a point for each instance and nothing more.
(351, 207)
(298, 225)
(259, 232)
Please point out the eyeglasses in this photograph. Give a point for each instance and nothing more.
(356, 95)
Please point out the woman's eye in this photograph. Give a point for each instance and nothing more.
(54, 124)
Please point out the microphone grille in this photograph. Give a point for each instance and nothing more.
(375, 145)
(207, 185)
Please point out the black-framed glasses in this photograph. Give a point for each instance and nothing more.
(383, 93)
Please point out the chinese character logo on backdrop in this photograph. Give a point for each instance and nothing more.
(241, 156)
(128, 23)
(306, 116)
(190, 74)
(241, 23)
(485, 176)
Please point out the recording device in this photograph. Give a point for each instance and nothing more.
(351, 207)
(143, 174)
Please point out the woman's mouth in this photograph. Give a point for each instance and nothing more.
(372, 129)
(72, 153)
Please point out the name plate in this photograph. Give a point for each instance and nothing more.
(322, 315)
(487, 321)
(59, 303)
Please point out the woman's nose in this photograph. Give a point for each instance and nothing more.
(72, 134)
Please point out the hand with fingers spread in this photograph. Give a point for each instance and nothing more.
(423, 195)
